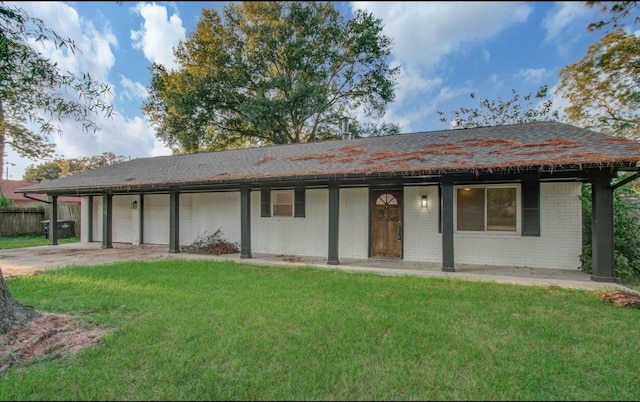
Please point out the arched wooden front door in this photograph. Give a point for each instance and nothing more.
(386, 224)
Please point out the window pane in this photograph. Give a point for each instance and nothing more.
(470, 209)
(283, 198)
(282, 210)
(501, 209)
(386, 199)
(283, 203)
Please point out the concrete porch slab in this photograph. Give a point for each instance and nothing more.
(26, 261)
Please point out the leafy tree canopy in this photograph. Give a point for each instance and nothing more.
(272, 73)
(33, 90)
(61, 167)
(490, 112)
(603, 88)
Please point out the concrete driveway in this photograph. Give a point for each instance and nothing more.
(32, 260)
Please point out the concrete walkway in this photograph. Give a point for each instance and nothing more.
(26, 261)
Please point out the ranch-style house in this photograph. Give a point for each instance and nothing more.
(502, 196)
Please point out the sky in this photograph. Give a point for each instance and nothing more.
(445, 50)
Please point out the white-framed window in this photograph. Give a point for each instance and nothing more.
(490, 208)
(282, 203)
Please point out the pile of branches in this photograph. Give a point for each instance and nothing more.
(212, 244)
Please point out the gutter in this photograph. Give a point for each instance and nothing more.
(26, 195)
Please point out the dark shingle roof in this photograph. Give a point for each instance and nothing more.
(550, 145)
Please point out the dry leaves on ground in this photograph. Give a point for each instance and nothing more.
(621, 298)
(47, 337)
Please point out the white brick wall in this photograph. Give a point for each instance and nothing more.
(422, 242)
(97, 218)
(213, 211)
(122, 220)
(353, 228)
(156, 219)
(185, 236)
(559, 244)
(308, 236)
(84, 219)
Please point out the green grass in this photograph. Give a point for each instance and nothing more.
(30, 241)
(205, 330)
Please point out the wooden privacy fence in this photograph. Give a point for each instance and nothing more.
(28, 220)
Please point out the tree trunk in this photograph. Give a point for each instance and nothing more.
(3, 132)
(12, 312)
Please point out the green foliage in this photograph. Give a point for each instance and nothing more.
(525, 109)
(8, 242)
(34, 90)
(626, 221)
(271, 73)
(61, 167)
(4, 201)
(603, 88)
(617, 10)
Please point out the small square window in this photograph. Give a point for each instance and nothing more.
(282, 203)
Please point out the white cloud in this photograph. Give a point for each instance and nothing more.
(158, 35)
(93, 47)
(566, 24)
(565, 15)
(131, 137)
(424, 32)
(532, 75)
(132, 89)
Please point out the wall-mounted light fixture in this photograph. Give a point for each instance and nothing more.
(134, 205)
(423, 202)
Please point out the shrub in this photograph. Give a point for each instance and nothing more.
(4, 201)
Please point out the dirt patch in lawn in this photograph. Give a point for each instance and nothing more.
(47, 337)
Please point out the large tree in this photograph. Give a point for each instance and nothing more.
(603, 88)
(272, 73)
(62, 167)
(34, 91)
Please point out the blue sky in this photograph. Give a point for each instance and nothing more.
(445, 50)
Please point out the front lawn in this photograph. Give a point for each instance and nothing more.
(30, 241)
(205, 330)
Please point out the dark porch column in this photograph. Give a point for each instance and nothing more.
(141, 218)
(107, 215)
(53, 221)
(174, 221)
(245, 222)
(90, 219)
(334, 223)
(602, 229)
(446, 205)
